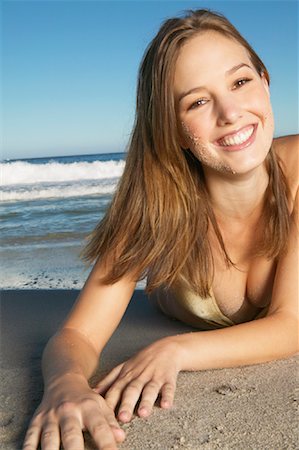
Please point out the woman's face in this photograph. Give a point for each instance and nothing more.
(223, 105)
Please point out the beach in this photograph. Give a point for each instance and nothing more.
(48, 208)
(253, 407)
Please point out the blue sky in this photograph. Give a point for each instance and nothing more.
(69, 68)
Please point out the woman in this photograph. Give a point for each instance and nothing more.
(207, 211)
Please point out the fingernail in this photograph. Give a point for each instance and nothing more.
(124, 416)
(120, 433)
(165, 404)
(142, 411)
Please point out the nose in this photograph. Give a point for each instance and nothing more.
(228, 110)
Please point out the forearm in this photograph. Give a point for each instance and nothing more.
(258, 341)
(68, 353)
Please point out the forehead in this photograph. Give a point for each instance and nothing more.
(207, 54)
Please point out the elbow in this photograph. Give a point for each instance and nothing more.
(293, 346)
(287, 327)
(290, 330)
(296, 346)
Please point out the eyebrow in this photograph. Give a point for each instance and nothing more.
(228, 72)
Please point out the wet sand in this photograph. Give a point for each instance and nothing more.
(254, 407)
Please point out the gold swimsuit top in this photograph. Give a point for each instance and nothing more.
(204, 313)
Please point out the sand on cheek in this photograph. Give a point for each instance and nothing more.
(204, 154)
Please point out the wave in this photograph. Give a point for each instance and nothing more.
(24, 173)
(59, 191)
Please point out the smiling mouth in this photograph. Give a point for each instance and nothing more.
(240, 138)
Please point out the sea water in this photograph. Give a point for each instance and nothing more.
(48, 208)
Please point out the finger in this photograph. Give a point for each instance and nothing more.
(130, 397)
(101, 432)
(113, 396)
(108, 380)
(102, 410)
(167, 395)
(71, 433)
(115, 392)
(32, 437)
(149, 396)
(50, 437)
(118, 433)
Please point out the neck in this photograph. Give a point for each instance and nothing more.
(237, 197)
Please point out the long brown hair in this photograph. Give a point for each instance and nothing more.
(157, 223)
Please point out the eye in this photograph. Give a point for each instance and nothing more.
(241, 82)
(200, 102)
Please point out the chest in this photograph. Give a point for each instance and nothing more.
(241, 290)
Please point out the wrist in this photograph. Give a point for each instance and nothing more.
(66, 380)
(177, 350)
(183, 346)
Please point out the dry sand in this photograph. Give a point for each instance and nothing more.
(242, 408)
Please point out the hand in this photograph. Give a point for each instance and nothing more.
(65, 411)
(150, 372)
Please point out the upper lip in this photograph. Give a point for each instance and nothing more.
(232, 133)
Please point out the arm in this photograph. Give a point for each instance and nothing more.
(262, 340)
(266, 339)
(275, 336)
(152, 370)
(90, 324)
(71, 356)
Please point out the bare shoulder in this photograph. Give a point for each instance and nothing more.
(287, 149)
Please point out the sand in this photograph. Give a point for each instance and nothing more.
(252, 407)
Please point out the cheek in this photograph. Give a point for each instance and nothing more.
(263, 109)
(194, 132)
(263, 106)
(268, 118)
(260, 106)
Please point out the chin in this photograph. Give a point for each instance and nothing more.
(253, 157)
(248, 166)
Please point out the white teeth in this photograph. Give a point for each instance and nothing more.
(237, 139)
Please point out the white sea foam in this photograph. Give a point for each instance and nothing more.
(57, 192)
(20, 172)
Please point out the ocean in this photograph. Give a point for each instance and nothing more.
(48, 207)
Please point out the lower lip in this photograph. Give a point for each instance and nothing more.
(237, 147)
